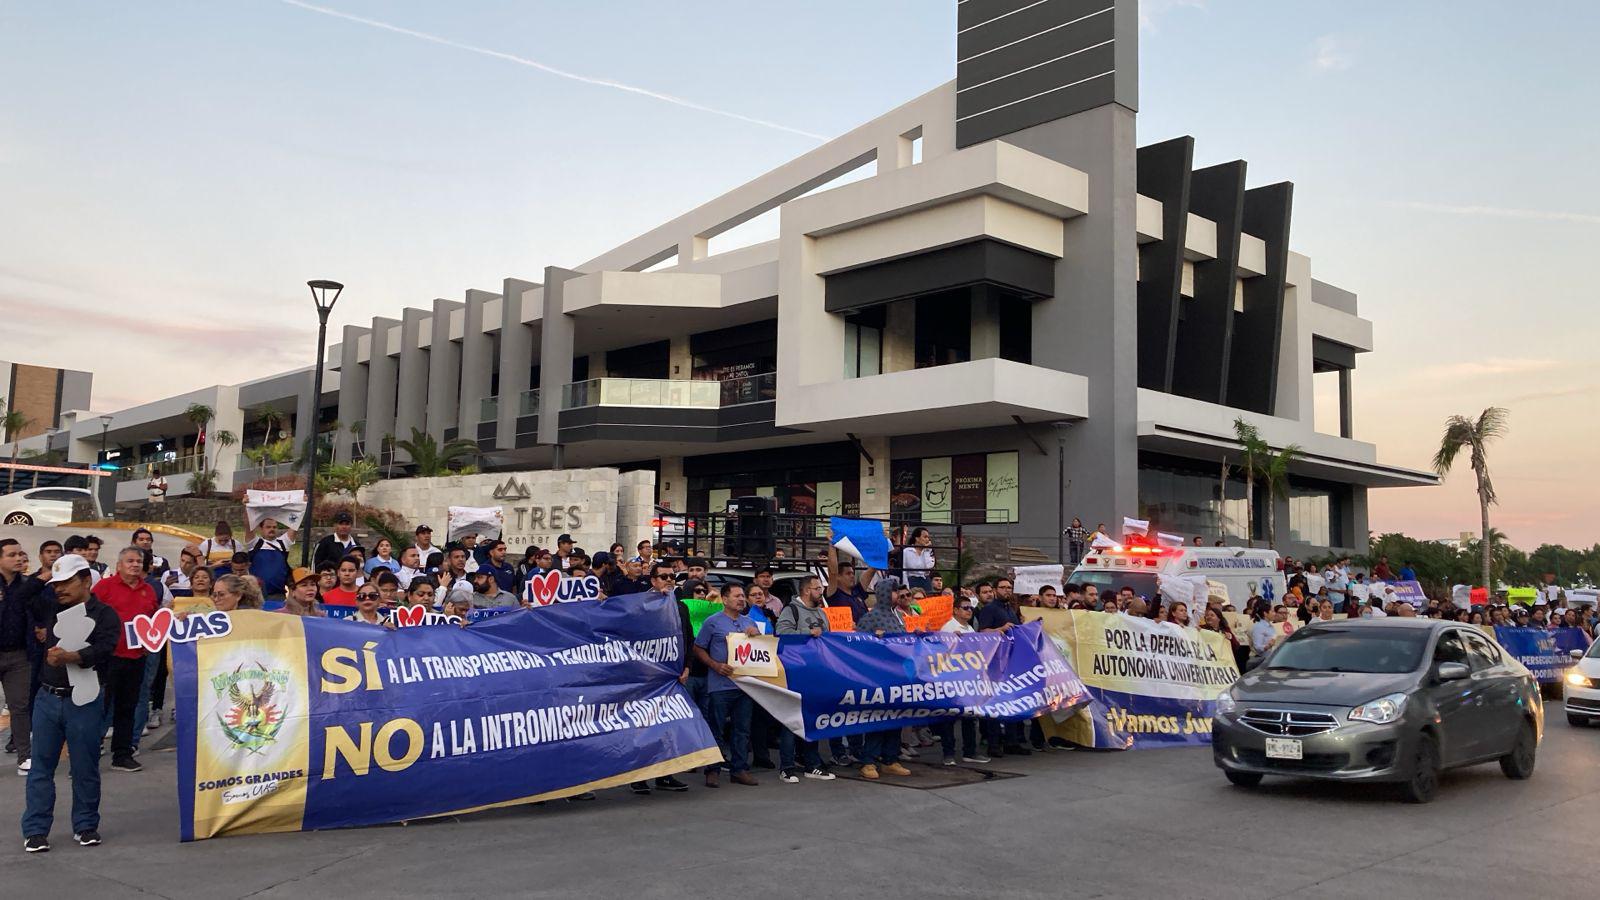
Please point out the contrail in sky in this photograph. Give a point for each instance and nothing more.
(1501, 212)
(534, 64)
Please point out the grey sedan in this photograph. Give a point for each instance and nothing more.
(1379, 700)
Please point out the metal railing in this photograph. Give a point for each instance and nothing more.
(529, 403)
(669, 393)
(489, 409)
(790, 540)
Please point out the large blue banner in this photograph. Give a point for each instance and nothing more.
(848, 683)
(1545, 651)
(288, 723)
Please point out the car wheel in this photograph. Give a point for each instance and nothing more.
(1244, 779)
(1518, 764)
(19, 518)
(1424, 781)
(1578, 721)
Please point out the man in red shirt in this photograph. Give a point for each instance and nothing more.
(129, 595)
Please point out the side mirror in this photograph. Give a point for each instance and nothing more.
(1453, 671)
(1575, 654)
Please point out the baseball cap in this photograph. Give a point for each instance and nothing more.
(68, 566)
(342, 518)
(422, 528)
(301, 573)
(601, 558)
(564, 539)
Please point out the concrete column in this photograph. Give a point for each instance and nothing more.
(899, 337)
(985, 334)
(517, 353)
(555, 355)
(597, 365)
(383, 373)
(352, 392)
(413, 374)
(444, 372)
(875, 477)
(680, 362)
(1096, 281)
(1347, 414)
(305, 413)
(477, 364)
(674, 487)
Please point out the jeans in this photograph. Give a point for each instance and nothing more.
(947, 737)
(809, 758)
(124, 681)
(881, 747)
(762, 727)
(158, 687)
(840, 745)
(56, 721)
(141, 709)
(15, 673)
(730, 716)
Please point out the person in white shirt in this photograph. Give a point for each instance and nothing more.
(410, 567)
(917, 560)
(221, 547)
(424, 545)
(1265, 630)
(960, 623)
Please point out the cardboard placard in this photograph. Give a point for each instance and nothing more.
(753, 655)
(840, 618)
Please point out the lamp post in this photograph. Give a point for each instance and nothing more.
(325, 293)
(99, 505)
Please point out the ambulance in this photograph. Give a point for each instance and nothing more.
(1140, 565)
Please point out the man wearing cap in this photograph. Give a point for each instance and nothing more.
(336, 546)
(129, 594)
(58, 720)
(563, 558)
(426, 549)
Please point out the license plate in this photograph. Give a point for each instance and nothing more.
(1283, 748)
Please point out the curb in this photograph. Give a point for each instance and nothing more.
(156, 527)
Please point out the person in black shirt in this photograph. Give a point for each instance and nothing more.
(661, 582)
(59, 720)
(335, 545)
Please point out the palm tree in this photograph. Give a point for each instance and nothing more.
(1463, 432)
(1275, 477)
(269, 418)
(1256, 453)
(199, 415)
(432, 459)
(223, 440)
(11, 423)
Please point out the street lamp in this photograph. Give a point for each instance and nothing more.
(326, 294)
(99, 504)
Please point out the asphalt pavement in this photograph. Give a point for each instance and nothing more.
(114, 539)
(1155, 823)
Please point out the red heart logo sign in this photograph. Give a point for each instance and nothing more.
(542, 588)
(151, 631)
(407, 616)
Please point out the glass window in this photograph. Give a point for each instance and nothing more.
(1450, 649)
(1483, 654)
(863, 347)
(1329, 648)
(1310, 516)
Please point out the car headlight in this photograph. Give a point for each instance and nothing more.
(1225, 704)
(1381, 711)
(1578, 679)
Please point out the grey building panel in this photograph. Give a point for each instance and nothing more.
(555, 354)
(413, 374)
(517, 354)
(382, 377)
(77, 388)
(1253, 357)
(1163, 175)
(305, 410)
(972, 263)
(1039, 80)
(1005, 65)
(971, 15)
(1200, 364)
(352, 392)
(1058, 104)
(1328, 355)
(1333, 297)
(1053, 22)
(444, 371)
(275, 390)
(477, 363)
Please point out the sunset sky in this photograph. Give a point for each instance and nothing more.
(172, 173)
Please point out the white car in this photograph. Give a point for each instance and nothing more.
(40, 506)
(1582, 685)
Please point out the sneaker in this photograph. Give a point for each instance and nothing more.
(154, 722)
(669, 783)
(980, 759)
(949, 760)
(819, 774)
(87, 838)
(641, 788)
(1041, 747)
(869, 772)
(788, 776)
(895, 768)
(925, 738)
(909, 753)
(127, 764)
(24, 767)
(36, 844)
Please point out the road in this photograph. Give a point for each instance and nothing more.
(1158, 823)
(115, 539)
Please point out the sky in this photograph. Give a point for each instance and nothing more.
(171, 173)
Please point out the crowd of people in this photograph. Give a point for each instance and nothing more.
(364, 585)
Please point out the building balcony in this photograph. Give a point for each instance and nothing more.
(668, 409)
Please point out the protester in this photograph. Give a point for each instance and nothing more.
(129, 595)
(420, 593)
(487, 592)
(302, 598)
(846, 591)
(802, 617)
(382, 557)
(917, 559)
(494, 561)
(344, 592)
(269, 558)
(17, 592)
(337, 544)
(729, 706)
(881, 749)
(59, 721)
(388, 588)
(220, 547)
(961, 613)
(425, 548)
(366, 603)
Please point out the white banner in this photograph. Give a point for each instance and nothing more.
(287, 508)
(484, 521)
(1029, 579)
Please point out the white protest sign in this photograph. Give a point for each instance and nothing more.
(753, 655)
(72, 629)
(288, 508)
(557, 587)
(1186, 589)
(1029, 579)
(1583, 597)
(484, 521)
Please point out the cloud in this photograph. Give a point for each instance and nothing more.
(1329, 53)
(1152, 11)
(562, 73)
(1493, 365)
(1557, 394)
(1499, 212)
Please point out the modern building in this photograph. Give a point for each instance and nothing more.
(42, 394)
(990, 305)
